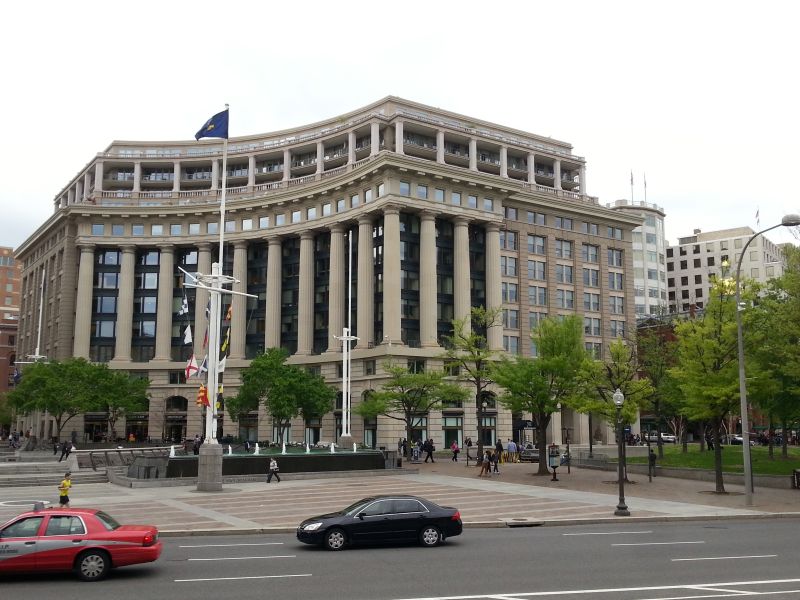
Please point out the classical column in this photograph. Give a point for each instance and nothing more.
(494, 299)
(79, 197)
(272, 333)
(287, 164)
(582, 180)
(531, 167)
(398, 137)
(503, 161)
(166, 271)
(122, 349)
(337, 284)
(87, 184)
(201, 301)
(473, 154)
(305, 312)
(176, 176)
(461, 271)
(98, 177)
(440, 146)
(214, 173)
(427, 285)
(557, 174)
(365, 319)
(320, 156)
(391, 275)
(83, 309)
(239, 310)
(251, 171)
(351, 147)
(375, 138)
(71, 196)
(137, 176)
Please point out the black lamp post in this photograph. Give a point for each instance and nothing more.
(622, 508)
(482, 428)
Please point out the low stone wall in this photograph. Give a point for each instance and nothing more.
(783, 482)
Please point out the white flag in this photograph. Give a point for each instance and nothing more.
(203, 367)
(221, 365)
(184, 307)
(187, 335)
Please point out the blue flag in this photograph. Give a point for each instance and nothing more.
(216, 126)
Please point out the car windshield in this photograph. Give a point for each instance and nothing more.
(108, 521)
(354, 508)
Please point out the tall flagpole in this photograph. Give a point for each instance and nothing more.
(645, 188)
(631, 186)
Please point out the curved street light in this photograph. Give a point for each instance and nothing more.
(790, 220)
(622, 508)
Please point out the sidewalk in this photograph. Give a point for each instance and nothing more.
(514, 497)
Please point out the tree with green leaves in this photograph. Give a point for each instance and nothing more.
(407, 395)
(468, 353)
(775, 353)
(65, 389)
(538, 385)
(707, 369)
(287, 391)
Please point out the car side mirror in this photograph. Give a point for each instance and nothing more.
(361, 516)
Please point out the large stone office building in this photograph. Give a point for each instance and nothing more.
(445, 212)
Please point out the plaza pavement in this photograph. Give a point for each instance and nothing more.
(517, 496)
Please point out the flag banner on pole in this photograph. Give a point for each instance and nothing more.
(187, 335)
(184, 307)
(221, 365)
(216, 127)
(227, 340)
(191, 368)
(203, 367)
(758, 220)
(202, 395)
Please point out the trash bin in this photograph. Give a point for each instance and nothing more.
(796, 482)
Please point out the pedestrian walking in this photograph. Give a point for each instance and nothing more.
(512, 451)
(63, 490)
(455, 450)
(428, 447)
(485, 464)
(495, 462)
(498, 449)
(66, 447)
(273, 470)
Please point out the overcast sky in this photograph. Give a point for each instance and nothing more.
(702, 97)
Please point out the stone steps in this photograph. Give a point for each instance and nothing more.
(10, 481)
(23, 468)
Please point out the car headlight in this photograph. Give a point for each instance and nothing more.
(311, 526)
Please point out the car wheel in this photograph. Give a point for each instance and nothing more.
(92, 565)
(335, 539)
(430, 536)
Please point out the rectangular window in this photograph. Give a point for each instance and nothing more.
(280, 219)
(650, 238)
(565, 298)
(508, 266)
(354, 200)
(590, 252)
(590, 228)
(535, 218)
(438, 195)
(98, 229)
(615, 233)
(472, 201)
(537, 295)
(247, 224)
(455, 198)
(381, 189)
(212, 227)
(509, 292)
(488, 205)
(614, 257)
(564, 274)
(230, 226)
(117, 230)
(405, 188)
(422, 191)
(510, 318)
(536, 244)
(511, 213)
(367, 196)
(511, 344)
(591, 301)
(617, 328)
(340, 205)
(156, 230)
(615, 281)
(563, 249)
(591, 277)
(175, 229)
(591, 326)
(311, 213)
(534, 318)
(563, 223)
(194, 228)
(326, 209)
(296, 216)
(537, 269)
(616, 305)
(508, 240)
(594, 349)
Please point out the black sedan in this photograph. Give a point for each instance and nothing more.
(383, 519)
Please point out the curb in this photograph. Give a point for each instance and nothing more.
(510, 524)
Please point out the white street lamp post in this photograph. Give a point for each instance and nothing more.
(790, 220)
(622, 508)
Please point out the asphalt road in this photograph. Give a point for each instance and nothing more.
(633, 561)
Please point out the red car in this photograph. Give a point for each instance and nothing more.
(86, 541)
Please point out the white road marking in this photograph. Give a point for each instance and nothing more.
(657, 543)
(232, 545)
(240, 578)
(726, 557)
(696, 586)
(607, 533)
(244, 557)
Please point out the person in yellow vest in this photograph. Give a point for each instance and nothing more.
(63, 490)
